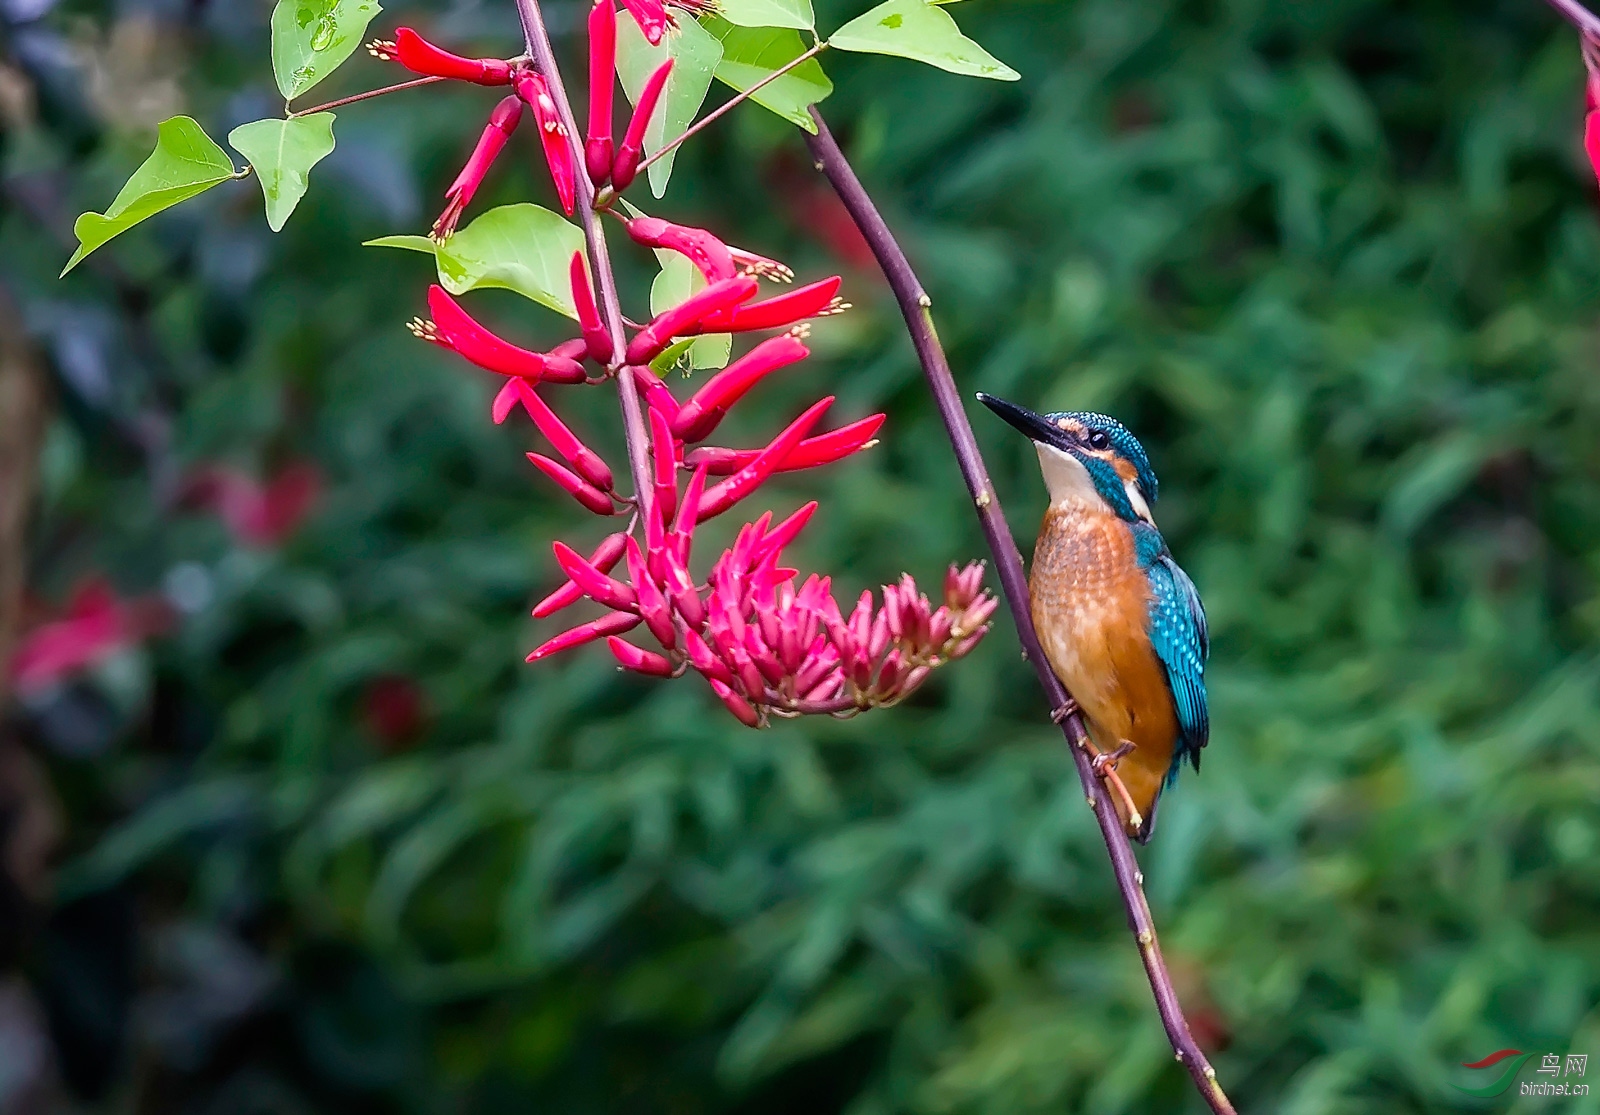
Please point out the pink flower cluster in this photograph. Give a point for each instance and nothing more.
(765, 645)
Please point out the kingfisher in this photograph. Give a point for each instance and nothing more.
(1120, 622)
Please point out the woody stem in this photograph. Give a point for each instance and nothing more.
(633, 427)
(367, 96)
(917, 308)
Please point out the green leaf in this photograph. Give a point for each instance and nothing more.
(516, 247)
(282, 153)
(677, 280)
(752, 54)
(768, 13)
(185, 162)
(923, 32)
(312, 38)
(695, 53)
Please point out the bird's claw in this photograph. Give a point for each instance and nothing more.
(1060, 714)
(1106, 762)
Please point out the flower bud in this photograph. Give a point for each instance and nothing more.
(604, 559)
(595, 584)
(748, 479)
(705, 251)
(683, 318)
(626, 164)
(777, 313)
(639, 660)
(736, 704)
(597, 151)
(596, 337)
(584, 461)
(699, 416)
(614, 623)
(575, 486)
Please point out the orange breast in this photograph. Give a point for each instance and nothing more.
(1091, 606)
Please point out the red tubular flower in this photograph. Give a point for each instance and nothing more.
(604, 559)
(575, 486)
(701, 248)
(688, 515)
(666, 465)
(780, 312)
(596, 337)
(626, 164)
(552, 134)
(95, 626)
(656, 394)
(1591, 139)
(823, 449)
(598, 151)
(700, 415)
(785, 533)
(584, 461)
(420, 56)
(639, 660)
(454, 329)
(652, 604)
(736, 704)
(595, 584)
(502, 122)
(683, 318)
(614, 624)
(748, 479)
(651, 16)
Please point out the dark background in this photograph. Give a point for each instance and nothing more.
(330, 846)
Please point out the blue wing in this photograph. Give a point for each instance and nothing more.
(1178, 634)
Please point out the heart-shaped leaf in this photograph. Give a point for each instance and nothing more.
(282, 153)
(768, 13)
(312, 38)
(516, 247)
(695, 53)
(185, 162)
(923, 32)
(752, 54)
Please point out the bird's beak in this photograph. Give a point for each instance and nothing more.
(1036, 426)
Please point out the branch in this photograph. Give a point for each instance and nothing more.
(367, 96)
(733, 102)
(633, 427)
(1579, 16)
(917, 308)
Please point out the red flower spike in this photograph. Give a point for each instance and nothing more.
(614, 624)
(777, 313)
(502, 122)
(552, 134)
(597, 152)
(663, 453)
(639, 660)
(1591, 139)
(604, 559)
(688, 514)
(626, 164)
(651, 16)
(683, 318)
(736, 704)
(824, 449)
(705, 251)
(575, 486)
(785, 532)
(652, 604)
(454, 329)
(748, 479)
(584, 461)
(595, 584)
(596, 337)
(700, 415)
(657, 395)
(420, 56)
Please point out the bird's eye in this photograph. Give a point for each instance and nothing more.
(1098, 440)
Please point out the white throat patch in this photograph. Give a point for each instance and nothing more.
(1071, 486)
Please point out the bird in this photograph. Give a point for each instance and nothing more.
(1120, 622)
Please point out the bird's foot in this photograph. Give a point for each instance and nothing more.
(1059, 715)
(1105, 763)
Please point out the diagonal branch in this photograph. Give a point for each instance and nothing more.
(633, 427)
(1579, 16)
(917, 308)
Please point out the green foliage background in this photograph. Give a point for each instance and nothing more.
(1335, 262)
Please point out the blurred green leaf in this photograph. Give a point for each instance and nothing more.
(282, 153)
(520, 247)
(695, 53)
(768, 13)
(185, 162)
(923, 32)
(750, 55)
(312, 38)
